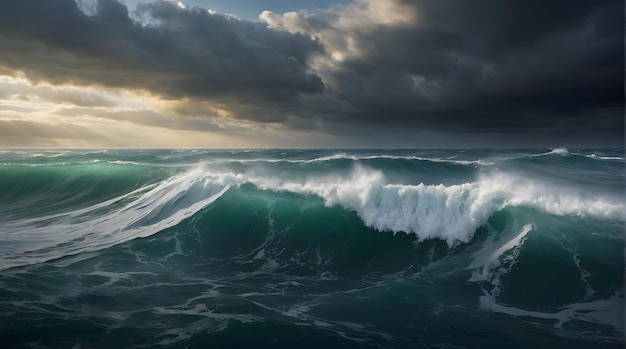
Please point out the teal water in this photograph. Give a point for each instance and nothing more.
(310, 248)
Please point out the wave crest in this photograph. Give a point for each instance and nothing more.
(559, 151)
(451, 213)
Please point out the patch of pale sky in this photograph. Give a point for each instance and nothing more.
(131, 120)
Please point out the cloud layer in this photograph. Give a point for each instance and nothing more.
(488, 70)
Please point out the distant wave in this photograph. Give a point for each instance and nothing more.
(596, 157)
(344, 156)
(559, 151)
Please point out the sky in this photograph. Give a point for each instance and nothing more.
(311, 73)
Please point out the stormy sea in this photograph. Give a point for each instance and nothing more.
(312, 248)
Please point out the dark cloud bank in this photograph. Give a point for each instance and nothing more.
(526, 72)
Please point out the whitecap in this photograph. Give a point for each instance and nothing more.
(451, 213)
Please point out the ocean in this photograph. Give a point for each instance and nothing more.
(312, 248)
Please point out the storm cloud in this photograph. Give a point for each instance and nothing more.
(497, 65)
(554, 70)
(177, 53)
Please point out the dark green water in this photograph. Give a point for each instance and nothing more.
(312, 248)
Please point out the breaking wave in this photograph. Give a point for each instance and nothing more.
(451, 213)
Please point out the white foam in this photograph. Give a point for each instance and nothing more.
(120, 162)
(457, 162)
(497, 258)
(602, 311)
(493, 253)
(559, 151)
(344, 156)
(451, 213)
(338, 156)
(596, 157)
(550, 198)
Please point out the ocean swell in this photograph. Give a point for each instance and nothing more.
(451, 213)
